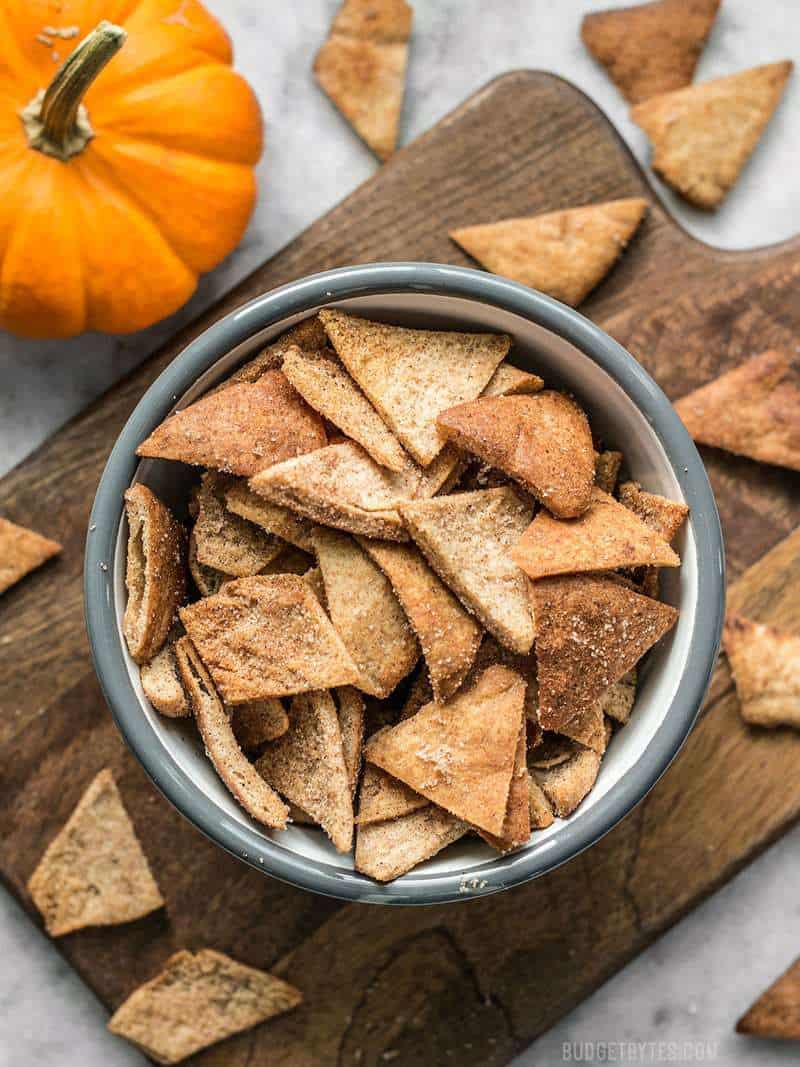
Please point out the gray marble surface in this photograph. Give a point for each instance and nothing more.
(693, 983)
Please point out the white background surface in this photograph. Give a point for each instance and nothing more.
(695, 982)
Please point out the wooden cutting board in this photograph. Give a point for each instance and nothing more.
(476, 981)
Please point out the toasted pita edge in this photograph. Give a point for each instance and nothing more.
(389, 849)
(776, 1013)
(23, 551)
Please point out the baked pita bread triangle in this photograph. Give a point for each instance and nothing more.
(22, 551)
(387, 849)
(362, 68)
(509, 380)
(197, 999)
(517, 823)
(588, 728)
(460, 754)
(753, 410)
(590, 632)
(542, 441)
(467, 538)
(540, 809)
(776, 1013)
(225, 541)
(410, 376)
(606, 537)
(161, 681)
(606, 470)
(309, 335)
(567, 784)
(239, 430)
(94, 872)
(660, 514)
(618, 700)
(383, 797)
(259, 721)
(274, 518)
(650, 48)
(351, 712)
(766, 669)
(703, 135)
(564, 253)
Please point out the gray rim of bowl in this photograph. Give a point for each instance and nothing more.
(248, 843)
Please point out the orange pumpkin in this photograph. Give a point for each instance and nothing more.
(131, 175)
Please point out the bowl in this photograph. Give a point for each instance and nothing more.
(625, 407)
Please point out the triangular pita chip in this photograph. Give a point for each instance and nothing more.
(387, 849)
(307, 766)
(588, 728)
(589, 633)
(766, 669)
(94, 872)
(259, 721)
(460, 754)
(752, 411)
(22, 551)
(606, 470)
(566, 785)
(241, 429)
(412, 375)
(366, 613)
(199, 998)
(420, 693)
(448, 634)
(309, 335)
(274, 518)
(383, 797)
(224, 541)
(362, 68)
(350, 709)
(604, 538)
(509, 380)
(267, 636)
(517, 824)
(651, 48)
(657, 512)
(776, 1013)
(162, 684)
(618, 700)
(540, 809)
(467, 538)
(207, 579)
(542, 441)
(564, 254)
(702, 136)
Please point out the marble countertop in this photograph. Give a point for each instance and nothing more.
(693, 983)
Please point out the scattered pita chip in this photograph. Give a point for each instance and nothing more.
(267, 636)
(449, 636)
(753, 411)
(309, 335)
(412, 375)
(241, 429)
(604, 538)
(154, 574)
(542, 441)
(566, 785)
(22, 551)
(766, 669)
(258, 721)
(703, 135)
(326, 386)
(460, 754)
(540, 810)
(94, 872)
(362, 68)
(162, 684)
(517, 824)
(225, 541)
(207, 580)
(509, 380)
(467, 539)
(365, 613)
(198, 999)
(230, 763)
(307, 766)
(387, 849)
(351, 712)
(651, 48)
(564, 254)
(274, 518)
(590, 632)
(606, 470)
(618, 700)
(383, 797)
(776, 1013)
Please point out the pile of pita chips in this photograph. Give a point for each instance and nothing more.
(776, 1013)
(22, 551)
(765, 664)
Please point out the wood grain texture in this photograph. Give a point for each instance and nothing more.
(477, 980)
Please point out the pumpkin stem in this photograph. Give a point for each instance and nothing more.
(56, 121)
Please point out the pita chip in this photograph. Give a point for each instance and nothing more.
(351, 712)
(274, 518)
(541, 441)
(590, 632)
(94, 872)
(162, 684)
(618, 700)
(460, 754)
(703, 135)
(467, 538)
(752, 411)
(362, 68)
(766, 669)
(258, 721)
(588, 728)
(198, 999)
(509, 380)
(651, 48)
(267, 636)
(307, 766)
(567, 784)
(564, 254)
(420, 693)
(540, 810)
(517, 823)
(607, 536)
(448, 634)
(241, 429)
(224, 541)
(207, 580)
(22, 551)
(606, 470)
(658, 513)
(550, 750)
(776, 1013)
(230, 763)
(411, 376)
(383, 797)
(387, 849)
(309, 335)
(365, 613)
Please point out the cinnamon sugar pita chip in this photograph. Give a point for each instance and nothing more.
(588, 728)
(663, 516)
(351, 712)
(274, 518)
(540, 809)
(753, 410)
(258, 721)
(309, 335)
(225, 541)
(241, 429)
(776, 1013)
(387, 849)
(618, 700)
(509, 380)
(94, 873)
(766, 669)
(207, 580)
(550, 750)
(542, 441)
(162, 684)
(703, 135)
(383, 797)
(606, 470)
(420, 693)
(564, 253)
(22, 551)
(517, 823)
(566, 785)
